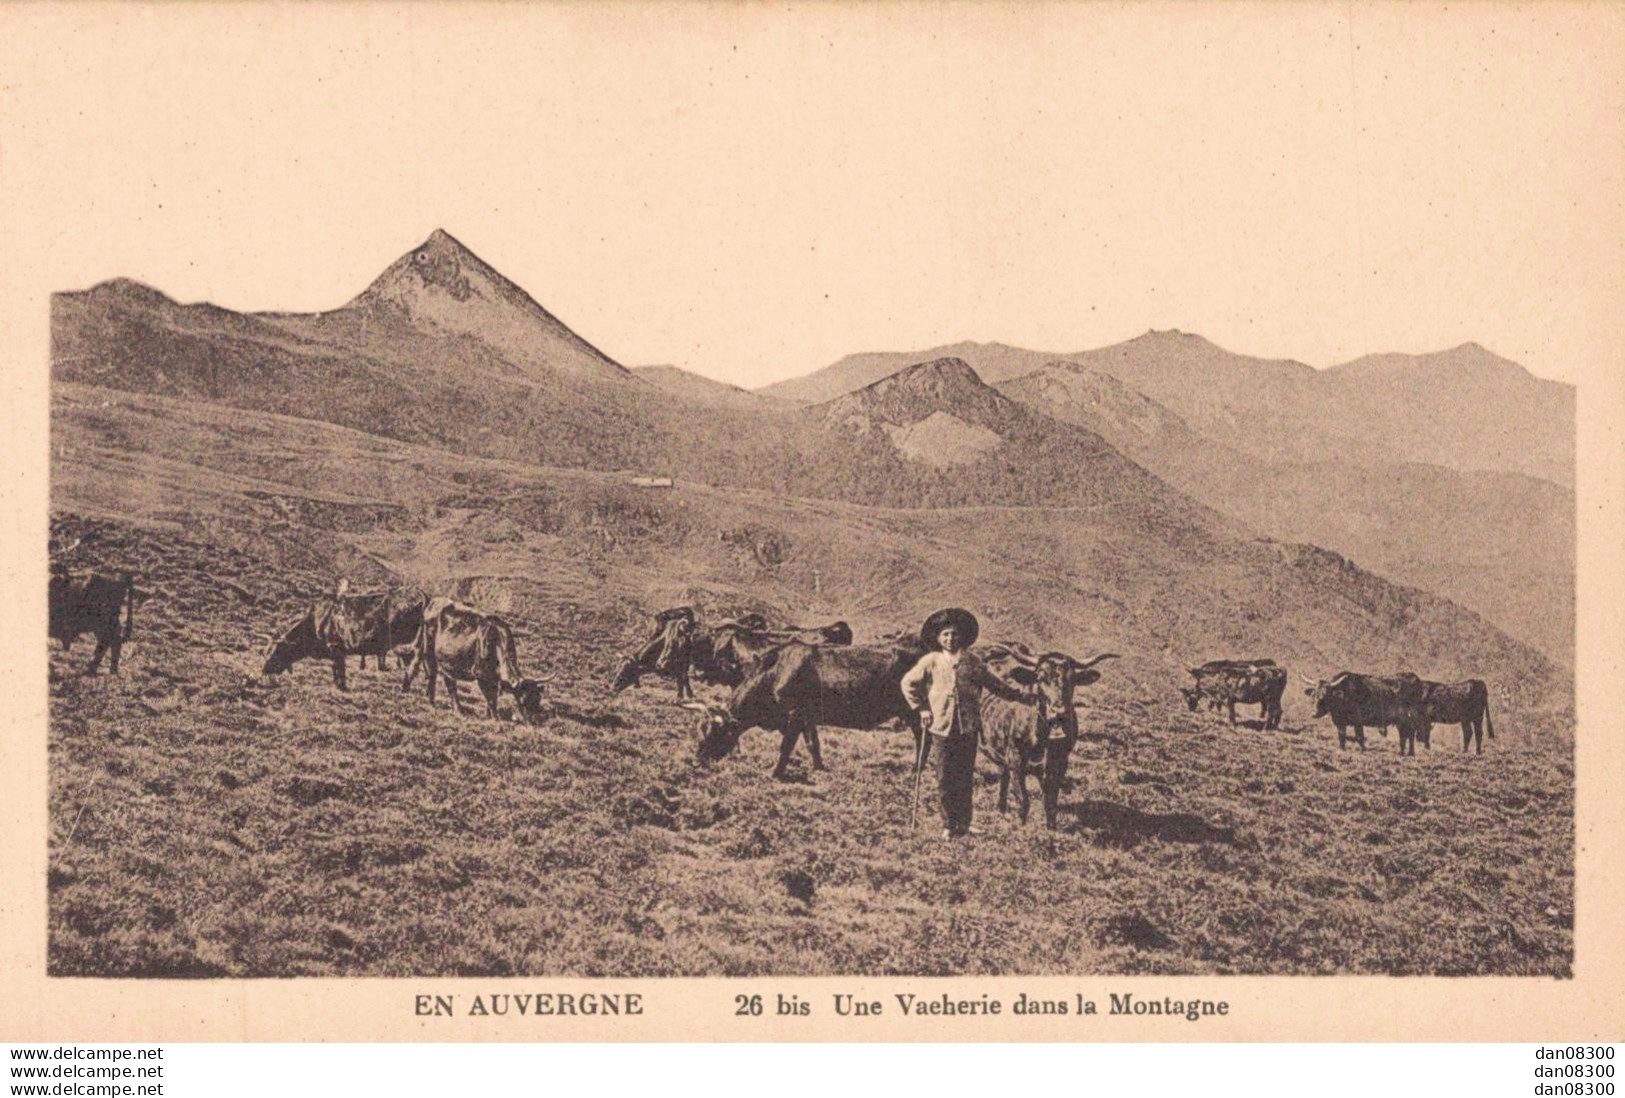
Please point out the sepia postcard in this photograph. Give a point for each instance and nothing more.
(915, 521)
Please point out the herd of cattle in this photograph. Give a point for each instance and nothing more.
(790, 680)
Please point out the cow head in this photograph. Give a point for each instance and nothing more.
(719, 732)
(671, 646)
(1327, 692)
(1053, 676)
(627, 675)
(527, 698)
(296, 643)
(1193, 695)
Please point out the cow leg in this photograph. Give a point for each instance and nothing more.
(1231, 705)
(1018, 762)
(811, 734)
(339, 679)
(491, 690)
(1359, 735)
(787, 747)
(1004, 786)
(1342, 739)
(456, 699)
(96, 656)
(1056, 757)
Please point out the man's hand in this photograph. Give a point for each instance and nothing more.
(925, 720)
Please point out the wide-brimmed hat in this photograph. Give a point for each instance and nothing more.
(962, 620)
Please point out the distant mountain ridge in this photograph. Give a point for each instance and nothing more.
(1465, 408)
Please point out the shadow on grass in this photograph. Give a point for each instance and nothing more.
(1121, 825)
(591, 720)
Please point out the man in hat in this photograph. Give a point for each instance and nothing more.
(945, 687)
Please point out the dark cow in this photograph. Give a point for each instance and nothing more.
(668, 652)
(727, 653)
(796, 687)
(91, 603)
(461, 644)
(348, 625)
(1464, 703)
(1249, 682)
(1358, 701)
(1017, 738)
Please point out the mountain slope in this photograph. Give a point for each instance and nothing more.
(1498, 543)
(1465, 408)
(936, 435)
(527, 540)
(443, 287)
(704, 390)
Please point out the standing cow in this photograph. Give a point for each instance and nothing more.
(348, 625)
(1464, 703)
(91, 603)
(1250, 682)
(461, 644)
(1358, 701)
(668, 653)
(1016, 742)
(796, 687)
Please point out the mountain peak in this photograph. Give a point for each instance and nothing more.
(916, 392)
(443, 288)
(951, 369)
(128, 289)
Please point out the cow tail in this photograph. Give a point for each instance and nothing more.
(129, 606)
(1489, 725)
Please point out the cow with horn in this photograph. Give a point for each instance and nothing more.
(1361, 701)
(1018, 743)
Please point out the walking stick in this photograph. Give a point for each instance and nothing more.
(919, 769)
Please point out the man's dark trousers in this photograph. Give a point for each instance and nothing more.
(956, 779)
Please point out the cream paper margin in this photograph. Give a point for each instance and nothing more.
(38, 222)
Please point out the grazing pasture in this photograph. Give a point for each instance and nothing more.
(207, 822)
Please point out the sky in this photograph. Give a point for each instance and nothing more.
(753, 191)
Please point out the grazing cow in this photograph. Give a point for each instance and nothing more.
(1250, 682)
(461, 644)
(1015, 742)
(1356, 701)
(668, 652)
(348, 625)
(1464, 703)
(726, 653)
(91, 603)
(797, 687)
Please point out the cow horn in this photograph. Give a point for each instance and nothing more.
(1307, 679)
(698, 707)
(1017, 651)
(1092, 660)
